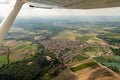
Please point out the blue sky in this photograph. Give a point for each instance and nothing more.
(26, 11)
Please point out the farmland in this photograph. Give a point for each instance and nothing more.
(78, 49)
(3, 59)
(20, 50)
(80, 67)
(83, 38)
(80, 57)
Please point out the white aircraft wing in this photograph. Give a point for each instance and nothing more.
(42, 5)
(77, 4)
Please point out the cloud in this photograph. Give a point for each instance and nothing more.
(26, 11)
(70, 12)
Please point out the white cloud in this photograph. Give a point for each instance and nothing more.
(72, 12)
(32, 12)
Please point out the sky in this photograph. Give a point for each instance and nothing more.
(27, 11)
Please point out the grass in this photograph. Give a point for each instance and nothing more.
(117, 57)
(91, 53)
(96, 40)
(3, 59)
(80, 57)
(66, 34)
(71, 34)
(80, 67)
(112, 64)
(100, 59)
(24, 47)
(91, 49)
(115, 36)
(21, 50)
(83, 38)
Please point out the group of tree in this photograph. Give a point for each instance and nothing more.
(35, 68)
(109, 38)
(116, 51)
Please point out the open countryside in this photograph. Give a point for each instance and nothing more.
(61, 50)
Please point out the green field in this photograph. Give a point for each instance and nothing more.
(100, 59)
(113, 64)
(74, 69)
(3, 59)
(66, 34)
(110, 38)
(83, 38)
(117, 57)
(91, 53)
(80, 57)
(23, 47)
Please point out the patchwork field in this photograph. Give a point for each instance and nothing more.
(83, 66)
(66, 75)
(83, 38)
(71, 35)
(20, 50)
(96, 73)
(96, 40)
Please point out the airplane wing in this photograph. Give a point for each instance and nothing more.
(42, 5)
(77, 4)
